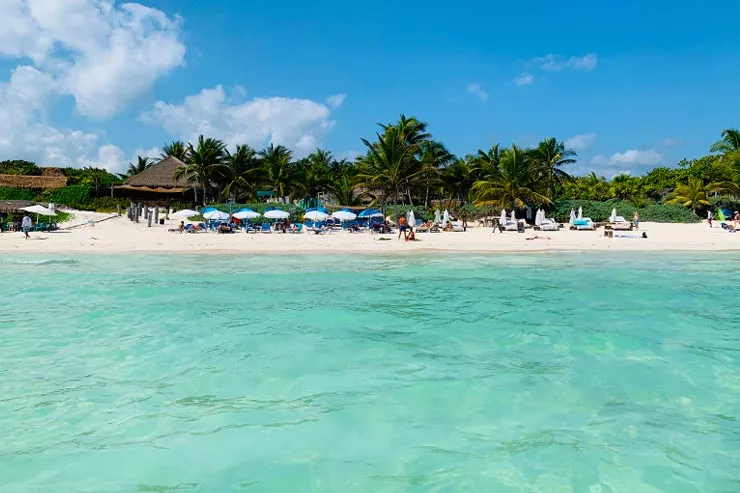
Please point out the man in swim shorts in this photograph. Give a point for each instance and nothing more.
(403, 227)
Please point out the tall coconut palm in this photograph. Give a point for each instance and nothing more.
(692, 194)
(513, 185)
(486, 162)
(142, 163)
(433, 156)
(239, 171)
(279, 168)
(551, 156)
(203, 163)
(386, 164)
(177, 149)
(457, 179)
(314, 173)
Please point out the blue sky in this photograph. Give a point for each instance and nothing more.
(631, 85)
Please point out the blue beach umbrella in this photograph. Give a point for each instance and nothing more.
(367, 213)
(208, 209)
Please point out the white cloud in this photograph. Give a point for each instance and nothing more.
(581, 141)
(336, 100)
(633, 157)
(297, 123)
(524, 79)
(477, 91)
(552, 62)
(102, 55)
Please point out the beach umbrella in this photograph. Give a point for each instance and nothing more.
(318, 209)
(276, 214)
(216, 215)
(208, 209)
(572, 219)
(613, 217)
(437, 217)
(186, 213)
(38, 209)
(538, 217)
(411, 218)
(315, 215)
(513, 215)
(580, 213)
(502, 218)
(367, 213)
(446, 217)
(246, 213)
(344, 215)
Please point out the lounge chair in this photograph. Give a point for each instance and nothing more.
(548, 225)
(583, 224)
(620, 224)
(266, 228)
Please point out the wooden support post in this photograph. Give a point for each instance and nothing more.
(119, 209)
(156, 215)
(149, 221)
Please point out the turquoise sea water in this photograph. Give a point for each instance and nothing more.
(433, 373)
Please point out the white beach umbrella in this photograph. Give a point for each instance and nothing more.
(316, 216)
(246, 215)
(411, 218)
(186, 213)
(437, 217)
(513, 215)
(38, 209)
(276, 214)
(613, 217)
(502, 218)
(216, 215)
(572, 219)
(344, 215)
(446, 217)
(538, 217)
(580, 213)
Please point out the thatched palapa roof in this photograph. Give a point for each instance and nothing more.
(159, 177)
(15, 205)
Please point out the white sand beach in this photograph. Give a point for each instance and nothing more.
(119, 235)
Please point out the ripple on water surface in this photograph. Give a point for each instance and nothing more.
(561, 372)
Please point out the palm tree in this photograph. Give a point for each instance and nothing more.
(279, 168)
(433, 156)
(730, 142)
(142, 163)
(458, 178)
(692, 194)
(239, 171)
(176, 149)
(203, 163)
(386, 165)
(512, 185)
(313, 175)
(551, 156)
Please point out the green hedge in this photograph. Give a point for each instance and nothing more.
(600, 211)
(76, 196)
(7, 193)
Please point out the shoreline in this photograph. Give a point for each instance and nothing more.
(119, 236)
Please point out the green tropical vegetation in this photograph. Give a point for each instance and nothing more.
(405, 165)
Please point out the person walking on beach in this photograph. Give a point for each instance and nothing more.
(403, 226)
(464, 217)
(26, 225)
(736, 218)
(636, 221)
(710, 217)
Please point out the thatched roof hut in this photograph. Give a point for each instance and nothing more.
(7, 206)
(158, 178)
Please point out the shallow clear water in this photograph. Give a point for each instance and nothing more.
(560, 372)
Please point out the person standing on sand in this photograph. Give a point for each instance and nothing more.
(464, 217)
(636, 221)
(403, 226)
(736, 218)
(26, 225)
(710, 217)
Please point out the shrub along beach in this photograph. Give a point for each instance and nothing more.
(404, 168)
